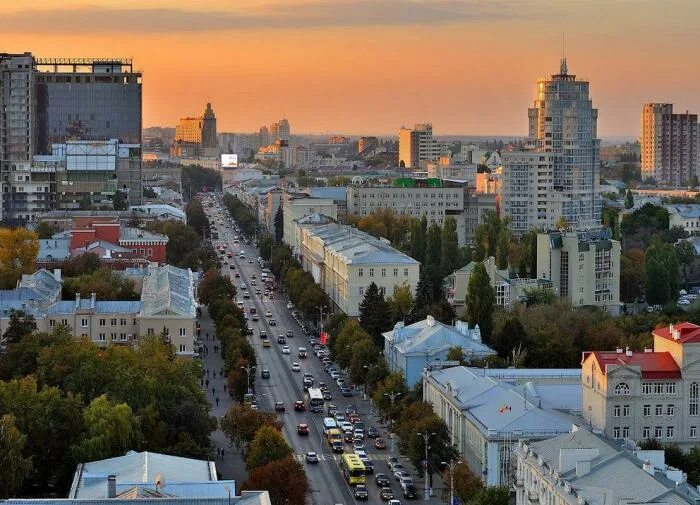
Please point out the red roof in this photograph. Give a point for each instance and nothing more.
(687, 333)
(653, 365)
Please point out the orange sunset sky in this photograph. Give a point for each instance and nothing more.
(369, 66)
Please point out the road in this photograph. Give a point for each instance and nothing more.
(328, 486)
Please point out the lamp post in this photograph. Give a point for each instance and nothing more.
(228, 490)
(392, 395)
(248, 369)
(426, 489)
(452, 465)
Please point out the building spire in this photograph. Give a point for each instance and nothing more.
(563, 70)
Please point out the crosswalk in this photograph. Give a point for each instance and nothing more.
(336, 457)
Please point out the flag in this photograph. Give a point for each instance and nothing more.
(324, 338)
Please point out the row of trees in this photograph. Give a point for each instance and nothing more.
(196, 178)
(242, 215)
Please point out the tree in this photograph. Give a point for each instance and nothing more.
(19, 248)
(364, 355)
(629, 199)
(455, 354)
(466, 484)
(14, 466)
(279, 225)
(105, 283)
(393, 383)
(21, 324)
(375, 315)
(44, 230)
(418, 241)
(196, 218)
(480, 301)
(111, 428)
(183, 243)
(539, 296)
(509, 337)
(267, 446)
(491, 495)
(400, 303)
(685, 252)
(119, 201)
(241, 423)
(283, 479)
(433, 250)
(632, 274)
(85, 263)
(450, 246)
(503, 249)
(662, 273)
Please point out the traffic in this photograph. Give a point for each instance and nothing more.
(333, 430)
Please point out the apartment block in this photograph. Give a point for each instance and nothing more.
(669, 145)
(418, 145)
(650, 394)
(583, 267)
(298, 205)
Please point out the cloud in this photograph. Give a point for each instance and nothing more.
(310, 14)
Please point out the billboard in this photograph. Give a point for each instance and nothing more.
(229, 161)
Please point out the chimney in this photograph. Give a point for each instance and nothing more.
(619, 350)
(647, 349)
(648, 467)
(476, 333)
(93, 297)
(430, 321)
(583, 468)
(628, 352)
(77, 300)
(112, 486)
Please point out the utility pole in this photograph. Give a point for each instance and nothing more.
(453, 464)
(248, 369)
(392, 395)
(426, 489)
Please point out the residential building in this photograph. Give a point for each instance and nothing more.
(339, 195)
(651, 394)
(298, 205)
(279, 131)
(487, 411)
(507, 290)
(344, 261)
(669, 145)
(583, 267)
(167, 306)
(149, 477)
(476, 205)
(418, 145)
(581, 468)
(366, 143)
(196, 136)
(424, 345)
(559, 176)
(62, 220)
(686, 216)
(464, 172)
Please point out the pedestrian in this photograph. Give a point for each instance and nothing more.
(221, 372)
(213, 391)
(217, 401)
(207, 336)
(218, 452)
(224, 388)
(215, 375)
(206, 382)
(207, 372)
(222, 453)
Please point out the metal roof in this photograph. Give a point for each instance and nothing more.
(652, 365)
(687, 211)
(432, 336)
(168, 289)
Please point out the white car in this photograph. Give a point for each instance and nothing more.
(362, 455)
(285, 349)
(296, 367)
(290, 305)
(268, 314)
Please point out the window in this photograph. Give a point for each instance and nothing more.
(405, 272)
(659, 410)
(122, 337)
(150, 331)
(113, 336)
(103, 322)
(396, 272)
(646, 410)
(102, 337)
(625, 432)
(113, 321)
(616, 432)
(183, 348)
(671, 388)
(183, 332)
(64, 322)
(122, 322)
(646, 432)
(150, 252)
(371, 272)
(360, 272)
(669, 431)
(670, 410)
(659, 388)
(52, 323)
(626, 410)
(83, 323)
(693, 399)
(362, 291)
(383, 272)
(616, 411)
(693, 432)
(622, 389)
(646, 388)
(658, 432)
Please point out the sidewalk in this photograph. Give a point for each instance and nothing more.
(232, 465)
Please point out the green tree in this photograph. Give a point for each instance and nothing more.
(400, 303)
(455, 354)
(183, 243)
(418, 241)
(284, 479)
(629, 199)
(375, 315)
(21, 324)
(267, 446)
(14, 466)
(241, 423)
(491, 496)
(119, 201)
(433, 250)
(632, 274)
(392, 383)
(685, 252)
(503, 249)
(510, 336)
(364, 355)
(44, 230)
(196, 218)
(279, 225)
(480, 301)
(450, 246)
(662, 273)
(539, 296)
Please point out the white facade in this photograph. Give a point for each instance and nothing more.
(685, 216)
(296, 206)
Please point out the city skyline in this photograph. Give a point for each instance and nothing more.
(365, 67)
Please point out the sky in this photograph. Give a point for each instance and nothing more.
(371, 66)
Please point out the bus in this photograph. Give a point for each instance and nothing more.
(315, 400)
(353, 469)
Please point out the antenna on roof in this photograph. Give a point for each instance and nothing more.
(160, 482)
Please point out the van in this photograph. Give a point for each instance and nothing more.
(329, 424)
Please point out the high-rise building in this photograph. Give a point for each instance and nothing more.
(559, 176)
(209, 128)
(417, 145)
(366, 143)
(52, 101)
(669, 145)
(196, 136)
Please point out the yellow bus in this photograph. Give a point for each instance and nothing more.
(353, 469)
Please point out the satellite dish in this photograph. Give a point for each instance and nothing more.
(160, 482)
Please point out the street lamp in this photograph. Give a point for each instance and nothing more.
(453, 464)
(392, 395)
(248, 369)
(426, 489)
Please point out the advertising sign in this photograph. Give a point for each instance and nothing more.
(229, 161)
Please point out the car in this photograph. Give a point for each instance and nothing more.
(369, 467)
(296, 367)
(339, 418)
(232, 266)
(379, 443)
(302, 352)
(263, 334)
(348, 437)
(240, 304)
(345, 426)
(243, 286)
(311, 457)
(257, 292)
(308, 383)
(253, 282)
(253, 310)
(272, 322)
(372, 432)
(253, 276)
(290, 305)
(334, 374)
(255, 318)
(359, 434)
(279, 407)
(266, 343)
(406, 481)
(302, 429)
(357, 445)
(361, 492)
(281, 339)
(386, 494)
(268, 314)
(409, 492)
(337, 446)
(362, 455)
(285, 349)
(299, 406)
(246, 295)
(347, 392)
(265, 374)
(396, 467)
(250, 261)
(237, 276)
(350, 409)
(382, 480)
(290, 334)
(327, 396)
(354, 418)
(394, 502)
(271, 296)
(400, 474)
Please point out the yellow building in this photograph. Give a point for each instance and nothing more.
(189, 130)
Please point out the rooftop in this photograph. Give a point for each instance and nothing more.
(680, 332)
(129, 233)
(687, 211)
(652, 365)
(168, 289)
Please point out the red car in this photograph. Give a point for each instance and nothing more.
(379, 443)
(253, 310)
(299, 406)
(303, 429)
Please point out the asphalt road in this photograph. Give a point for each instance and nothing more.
(328, 487)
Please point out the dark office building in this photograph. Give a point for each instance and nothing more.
(87, 99)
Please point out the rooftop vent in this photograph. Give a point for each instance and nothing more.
(647, 350)
(430, 321)
(628, 351)
(619, 350)
(648, 467)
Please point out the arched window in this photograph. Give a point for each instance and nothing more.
(693, 397)
(622, 389)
